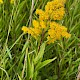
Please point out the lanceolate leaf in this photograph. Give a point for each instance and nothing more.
(40, 54)
(44, 63)
(28, 67)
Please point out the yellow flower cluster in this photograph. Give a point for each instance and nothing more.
(57, 31)
(42, 14)
(33, 31)
(12, 1)
(1, 1)
(36, 30)
(54, 10)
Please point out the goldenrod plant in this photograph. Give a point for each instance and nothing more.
(47, 25)
(39, 39)
(45, 28)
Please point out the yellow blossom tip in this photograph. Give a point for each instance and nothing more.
(12, 1)
(24, 29)
(1, 1)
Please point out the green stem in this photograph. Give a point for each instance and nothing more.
(42, 37)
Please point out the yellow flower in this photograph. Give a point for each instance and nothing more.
(66, 35)
(35, 23)
(54, 10)
(50, 40)
(39, 24)
(42, 14)
(34, 32)
(57, 31)
(38, 11)
(12, 1)
(42, 24)
(24, 29)
(58, 14)
(1, 1)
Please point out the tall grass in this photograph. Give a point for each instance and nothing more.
(13, 42)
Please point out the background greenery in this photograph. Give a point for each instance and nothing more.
(13, 42)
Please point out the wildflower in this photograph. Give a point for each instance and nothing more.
(34, 32)
(54, 10)
(41, 14)
(1, 1)
(42, 24)
(36, 22)
(57, 31)
(57, 11)
(24, 29)
(58, 14)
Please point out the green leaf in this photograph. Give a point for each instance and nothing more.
(8, 52)
(21, 59)
(32, 70)
(44, 63)
(25, 46)
(21, 5)
(5, 72)
(19, 77)
(28, 67)
(35, 75)
(40, 54)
